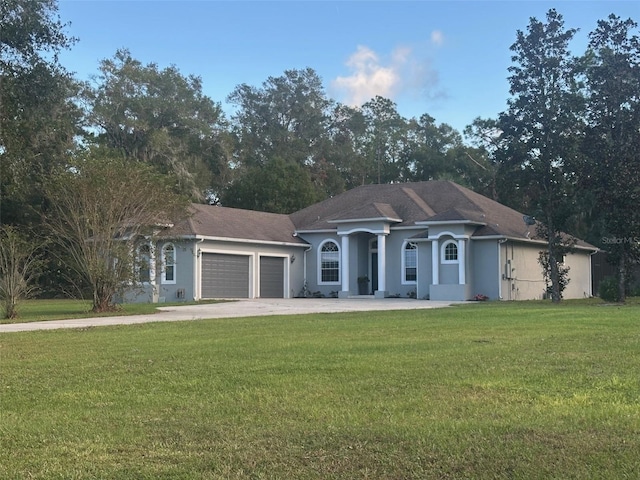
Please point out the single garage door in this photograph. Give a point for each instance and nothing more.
(271, 277)
(225, 276)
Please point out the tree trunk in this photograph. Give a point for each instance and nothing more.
(622, 279)
(554, 275)
(102, 300)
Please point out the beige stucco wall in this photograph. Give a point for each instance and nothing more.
(525, 280)
(580, 274)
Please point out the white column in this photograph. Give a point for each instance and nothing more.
(462, 261)
(435, 260)
(344, 263)
(196, 273)
(382, 263)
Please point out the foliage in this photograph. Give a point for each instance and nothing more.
(485, 391)
(541, 128)
(277, 186)
(562, 271)
(611, 168)
(20, 265)
(285, 118)
(608, 290)
(160, 117)
(38, 118)
(384, 139)
(100, 206)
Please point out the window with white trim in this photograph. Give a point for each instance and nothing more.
(329, 263)
(169, 263)
(410, 263)
(450, 251)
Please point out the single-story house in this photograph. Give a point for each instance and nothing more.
(429, 240)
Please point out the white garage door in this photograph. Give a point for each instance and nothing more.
(271, 277)
(225, 276)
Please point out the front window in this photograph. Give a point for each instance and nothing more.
(329, 263)
(410, 253)
(144, 263)
(169, 264)
(450, 252)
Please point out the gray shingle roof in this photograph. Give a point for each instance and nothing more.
(405, 204)
(236, 223)
(438, 201)
(371, 210)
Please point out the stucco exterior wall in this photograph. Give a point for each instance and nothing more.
(311, 253)
(425, 270)
(158, 290)
(396, 242)
(484, 272)
(522, 274)
(579, 263)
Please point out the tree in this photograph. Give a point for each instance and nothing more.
(162, 118)
(347, 136)
(286, 118)
(20, 265)
(541, 128)
(101, 205)
(612, 139)
(38, 118)
(277, 187)
(386, 133)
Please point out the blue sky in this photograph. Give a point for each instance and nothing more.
(445, 58)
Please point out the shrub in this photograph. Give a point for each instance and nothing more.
(608, 290)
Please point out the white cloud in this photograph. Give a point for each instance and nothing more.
(400, 73)
(437, 38)
(368, 78)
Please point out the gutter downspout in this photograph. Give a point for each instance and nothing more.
(500, 242)
(591, 292)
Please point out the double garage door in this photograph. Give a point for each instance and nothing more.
(228, 276)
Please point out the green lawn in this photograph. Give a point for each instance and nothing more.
(43, 310)
(484, 391)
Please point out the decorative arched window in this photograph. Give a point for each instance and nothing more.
(450, 252)
(329, 263)
(410, 263)
(144, 263)
(169, 264)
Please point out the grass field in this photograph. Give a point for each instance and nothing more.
(59, 309)
(485, 391)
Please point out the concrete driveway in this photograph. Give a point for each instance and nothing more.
(240, 308)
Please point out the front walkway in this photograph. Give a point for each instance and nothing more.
(240, 308)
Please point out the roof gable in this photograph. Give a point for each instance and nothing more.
(368, 212)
